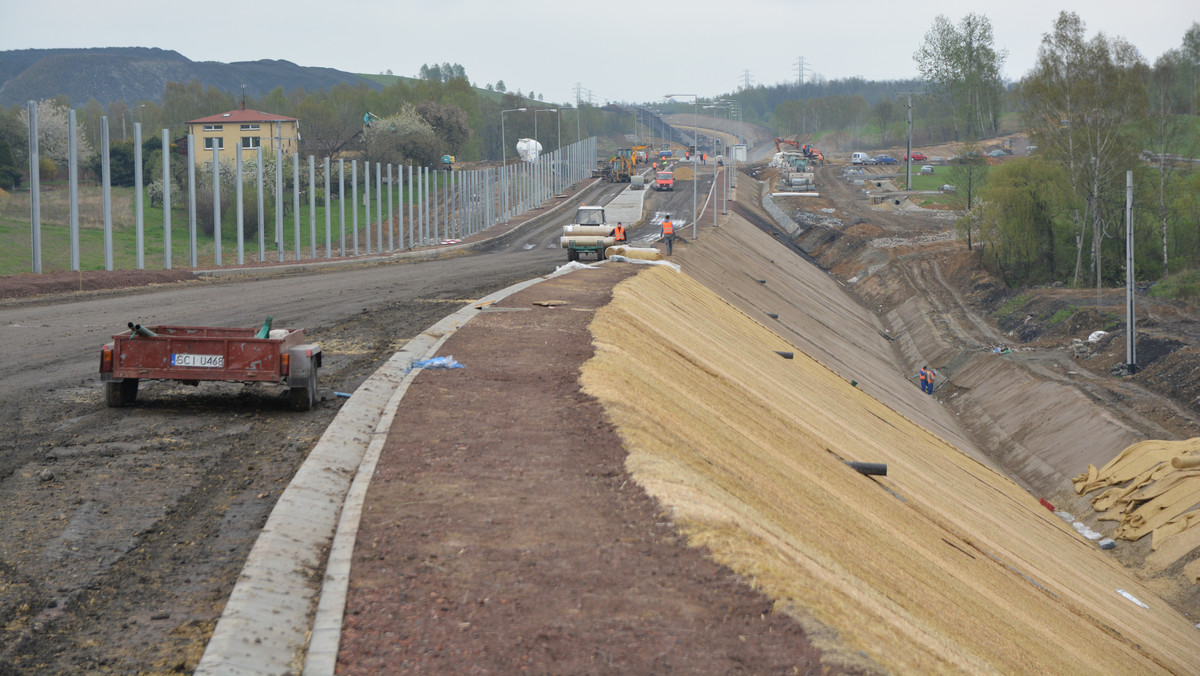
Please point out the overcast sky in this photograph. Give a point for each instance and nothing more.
(617, 51)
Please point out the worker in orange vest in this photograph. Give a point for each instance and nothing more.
(668, 233)
(618, 233)
(926, 375)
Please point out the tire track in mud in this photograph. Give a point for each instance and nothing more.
(125, 529)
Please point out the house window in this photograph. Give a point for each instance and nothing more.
(251, 141)
(249, 127)
(218, 141)
(213, 127)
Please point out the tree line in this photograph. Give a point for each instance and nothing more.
(1096, 109)
(426, 119)
(1093, 107)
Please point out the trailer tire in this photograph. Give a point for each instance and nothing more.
(118, 393)
(572, 255)
(305, 398)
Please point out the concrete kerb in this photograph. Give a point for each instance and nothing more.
(266, 624)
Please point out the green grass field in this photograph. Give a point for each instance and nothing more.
(940, 177)
(16, 237)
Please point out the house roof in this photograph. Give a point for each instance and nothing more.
(240, 116)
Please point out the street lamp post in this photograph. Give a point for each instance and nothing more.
(695, 167)
(504, 157)
(736, 113)
(724, 192)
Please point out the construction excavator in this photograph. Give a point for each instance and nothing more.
(809, 152)
(619, 168)
(789, 142)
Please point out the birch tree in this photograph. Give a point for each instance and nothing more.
(1077, 103)
(963, 69)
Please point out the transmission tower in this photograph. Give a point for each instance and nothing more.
(747, 79)
(802, 70)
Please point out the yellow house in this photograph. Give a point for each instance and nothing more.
(247, 128)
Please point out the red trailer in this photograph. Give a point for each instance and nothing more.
(195, 353)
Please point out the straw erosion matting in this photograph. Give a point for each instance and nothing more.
(942, 566)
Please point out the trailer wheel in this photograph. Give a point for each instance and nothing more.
(572, 255)
(118, 393)
(305, 398)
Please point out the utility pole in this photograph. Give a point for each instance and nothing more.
(908, 155)
(1130, 315)
(802, 70)
(747, 79)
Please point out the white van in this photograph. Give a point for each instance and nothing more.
(861, 158)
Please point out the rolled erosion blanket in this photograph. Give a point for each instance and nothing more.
(640, 253)
(1186, 462)
(586, 241)
(590, 230)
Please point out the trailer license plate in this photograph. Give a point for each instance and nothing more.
(212, 361)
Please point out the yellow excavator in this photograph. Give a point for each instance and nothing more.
(620, 167)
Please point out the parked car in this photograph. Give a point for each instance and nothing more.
(861, 158)
(917, 157)
(927, 169)
(997, 153)
(886, 159)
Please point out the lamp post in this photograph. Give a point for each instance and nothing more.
(695, 170)
(736, 113)
(504, 156)
(724, 191)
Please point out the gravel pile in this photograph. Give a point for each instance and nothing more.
(810, 219)
(893, 242)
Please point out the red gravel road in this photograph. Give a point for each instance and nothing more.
(502, 534)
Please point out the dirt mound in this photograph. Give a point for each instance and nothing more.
(683, 173)
(29, 284)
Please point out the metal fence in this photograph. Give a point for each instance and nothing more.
(425, 206)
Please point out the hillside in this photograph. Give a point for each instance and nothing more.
(109, 74)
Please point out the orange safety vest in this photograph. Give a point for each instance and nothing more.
(619, 232)
(668, 227)
(929, 376)
(924, 375)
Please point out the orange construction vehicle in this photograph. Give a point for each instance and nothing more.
(778, 141)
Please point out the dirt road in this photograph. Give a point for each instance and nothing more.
(124, 529)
